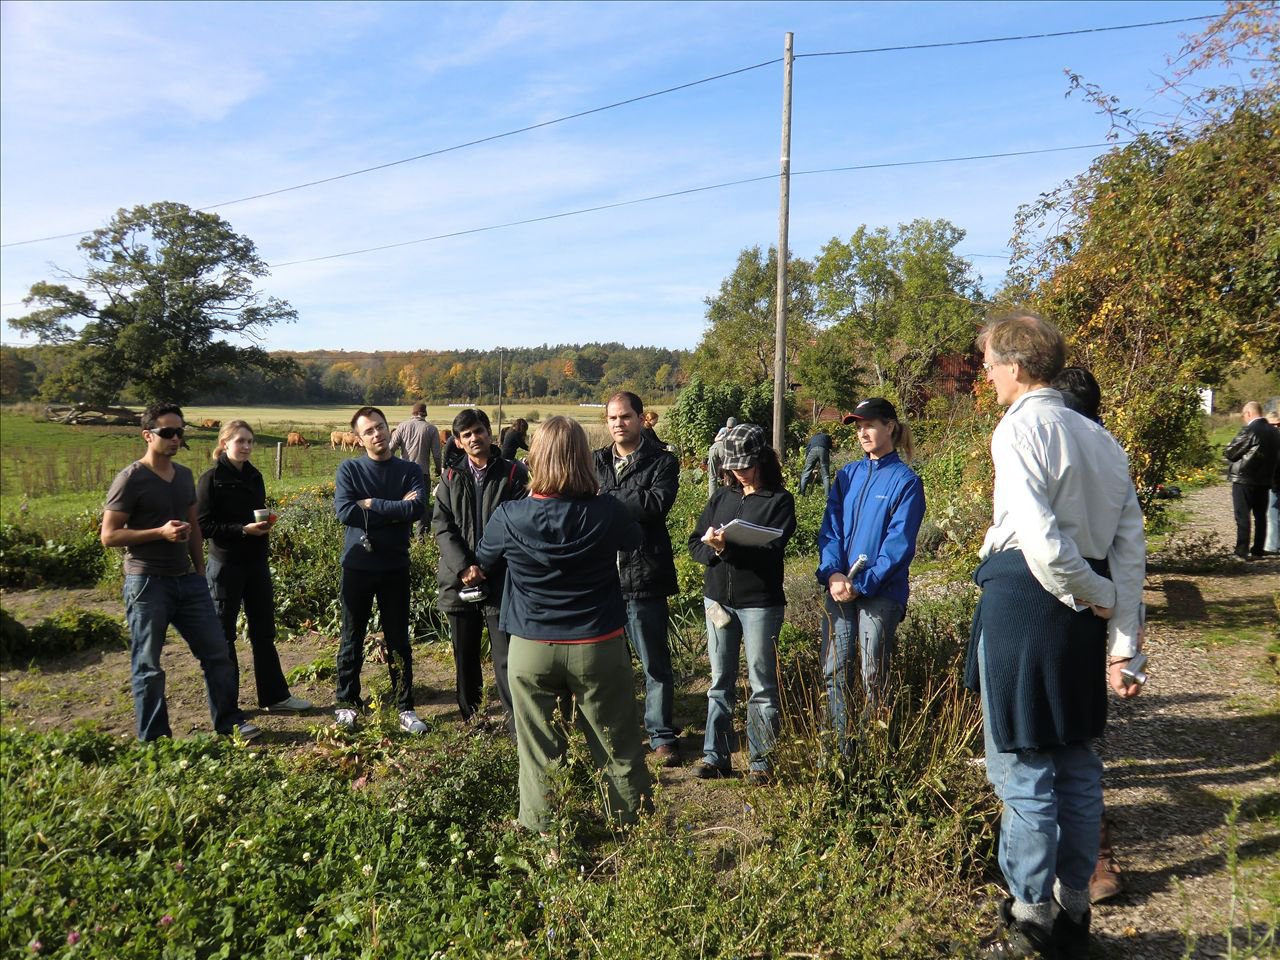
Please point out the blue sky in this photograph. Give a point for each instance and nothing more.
(108, 105)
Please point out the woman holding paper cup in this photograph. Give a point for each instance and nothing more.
(231, 503)
(743, 596)
(865, 546)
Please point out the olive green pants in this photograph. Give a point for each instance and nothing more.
(599, 677)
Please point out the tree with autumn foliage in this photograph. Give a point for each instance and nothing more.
(1161, 262)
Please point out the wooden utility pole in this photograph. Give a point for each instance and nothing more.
(499, 390)
(784, 207)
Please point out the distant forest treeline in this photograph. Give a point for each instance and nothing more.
(563, 372)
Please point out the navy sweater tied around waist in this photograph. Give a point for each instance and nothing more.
(1045, 663)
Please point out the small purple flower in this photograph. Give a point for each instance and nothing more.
(179, 867)
(166, 920)
(35, 946)
(73, 938)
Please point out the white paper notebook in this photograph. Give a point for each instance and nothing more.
(746, 534)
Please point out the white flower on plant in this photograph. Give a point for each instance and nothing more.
(226, 865)
(306, 857)
(302, 932)
(367, 869)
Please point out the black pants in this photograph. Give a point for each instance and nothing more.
(231, 585)
(359, 589)
(1248, 500)
(465, 628)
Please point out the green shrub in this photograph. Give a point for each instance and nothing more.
(70, 630)
(66, 553)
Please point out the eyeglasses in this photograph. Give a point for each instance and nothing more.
(168, 433)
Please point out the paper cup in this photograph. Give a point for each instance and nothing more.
(260, 515)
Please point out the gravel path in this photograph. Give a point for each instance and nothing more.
(1204, 735)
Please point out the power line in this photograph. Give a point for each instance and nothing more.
(1025, 36)
(681, 193)
(442, 150)
(637, 99)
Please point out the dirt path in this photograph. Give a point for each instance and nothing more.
(1204, 734)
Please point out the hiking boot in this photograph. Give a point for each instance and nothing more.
(707, 771)
(291, 704)
(1106, 881)
(410, 723)
(759, 778)
(1070, 938)
(1018, 939)
(248, 731)
(345, 718)
(668, 755)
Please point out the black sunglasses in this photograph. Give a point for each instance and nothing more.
(168, 433)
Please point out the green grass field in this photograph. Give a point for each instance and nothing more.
(58, 470)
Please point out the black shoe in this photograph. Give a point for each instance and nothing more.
(668, 755)
(1019, 939)
(705, 771)
(1071, 938)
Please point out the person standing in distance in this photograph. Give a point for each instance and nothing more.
(817, 453)
(418, 440)
(1061, 571)
(151, 513)
(874, 511)
(466, 497)
(1253, 453)
(641, 475)
(378, 498)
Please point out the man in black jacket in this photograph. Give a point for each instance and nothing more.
(470, 490)
(1253, 453)
(643, 476)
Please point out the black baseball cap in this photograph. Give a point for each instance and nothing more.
(873, 408)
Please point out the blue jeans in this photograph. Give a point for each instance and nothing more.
(151, 604)
(647, 630)
(1052, 812)
(1273, 523)
(756, 628)
(875, 620)
(820, 457)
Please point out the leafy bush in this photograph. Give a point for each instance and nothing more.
(702, 409)
(70, 630)
(67, 554)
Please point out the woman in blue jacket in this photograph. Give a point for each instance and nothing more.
(865, 547)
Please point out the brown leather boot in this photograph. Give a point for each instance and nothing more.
(1106, 881)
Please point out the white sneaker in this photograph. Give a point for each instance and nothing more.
(411, 723)
(248, 730)
(292, 703)
(345, 718)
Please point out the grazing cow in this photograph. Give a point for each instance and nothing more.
(296, 440)
(210, 424)
(337, 438)
(350, 441)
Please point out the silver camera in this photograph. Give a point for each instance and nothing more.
(1132, 672)
(473, 594)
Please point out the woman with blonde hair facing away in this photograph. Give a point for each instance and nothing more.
(865, 546)
(227, 497)
(562, 606)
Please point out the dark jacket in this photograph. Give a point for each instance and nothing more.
(647, 488)
(513, 441)
(1253, 453)
(562, 571)
(745, 576)
(389, 522)
(225, 500)
(461, 511)
(1045, 662)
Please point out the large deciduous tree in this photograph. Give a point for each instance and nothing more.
(738, 344)
(904, 299)
(163, 288)
(1162, 260)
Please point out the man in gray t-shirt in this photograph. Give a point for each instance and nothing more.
(151, 513)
